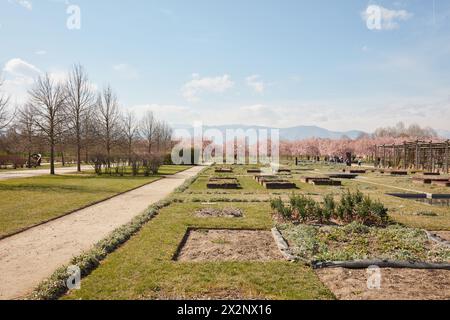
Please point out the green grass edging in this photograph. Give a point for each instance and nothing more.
(55, 286)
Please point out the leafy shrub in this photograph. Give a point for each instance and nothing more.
(351, 207)
(278, 206)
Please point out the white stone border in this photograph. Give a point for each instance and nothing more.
(282, 245)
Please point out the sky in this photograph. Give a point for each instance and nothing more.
(339, 65)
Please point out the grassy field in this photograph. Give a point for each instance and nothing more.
(411, 213)
(29, 201)
(143, 268)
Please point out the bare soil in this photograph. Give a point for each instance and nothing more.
(219, 213)
(396, 284)
(229, 245)
(445, 235)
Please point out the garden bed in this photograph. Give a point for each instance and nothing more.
(398, 173)
(254, 171)
(219, 213)
(224, 170)
(342, 175)
(223, 183)
(228, 245)
(281, 184)
(356, 242)
(429, 180)
(355, 171)
(396, 284)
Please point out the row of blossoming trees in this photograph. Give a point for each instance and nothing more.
(362, 147)
(71, 121)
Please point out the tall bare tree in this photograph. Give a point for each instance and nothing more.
(5, 116)
(108, 119)
(80, 98)
(130, 131)
(48, 100)
(26, 124)
(147, 129)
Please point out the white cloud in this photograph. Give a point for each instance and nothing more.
(255, 83)
(24, 3)
(192, 89)
(18, 67)
(126, 70)
(380, 18)
(19, 75)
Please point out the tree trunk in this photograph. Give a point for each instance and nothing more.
(52, 157)
(78, 152)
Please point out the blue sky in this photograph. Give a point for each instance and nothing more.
(279, 63)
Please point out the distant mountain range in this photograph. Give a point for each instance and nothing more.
(294, 133)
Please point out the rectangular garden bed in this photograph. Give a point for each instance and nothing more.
(280, 184)
(398, 173)
(429, 180)
(342, 175)
(228, 245)
(224, 170)
(223, 183)
(326, 182)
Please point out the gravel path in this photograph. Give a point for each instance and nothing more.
(31, 256)
(37, 172)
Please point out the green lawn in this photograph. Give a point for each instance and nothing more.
(143, 268)
(172, 169)
(28, 201)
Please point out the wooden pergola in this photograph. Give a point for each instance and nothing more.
(418, 155)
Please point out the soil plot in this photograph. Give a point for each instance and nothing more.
(229, 245)
(219, 213)
(395, 284)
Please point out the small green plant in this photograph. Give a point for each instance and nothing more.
(350, 208)
(278, 206)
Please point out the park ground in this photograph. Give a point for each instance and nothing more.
(148, 265)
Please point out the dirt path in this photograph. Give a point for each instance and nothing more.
(31, 256)
(37, 172)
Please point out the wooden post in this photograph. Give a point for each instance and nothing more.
(417, 156)
(405, 165)
(446, 156)
(431, 157)
(394, 163)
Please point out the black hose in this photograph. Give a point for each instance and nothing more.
(364, 264)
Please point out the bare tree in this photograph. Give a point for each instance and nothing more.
(26, 124)
(5, 116)
(147, 129)
(130, 131)
(48, 99)
(108, 119)
(80, 98)
(90, 132)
